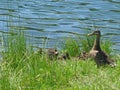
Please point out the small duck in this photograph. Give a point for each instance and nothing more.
(64, 56)
(100, 57)
(52, 53)
(83, 55)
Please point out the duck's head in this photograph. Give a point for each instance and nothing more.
(53, 51)
(96, 32)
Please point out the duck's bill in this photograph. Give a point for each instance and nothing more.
(90, 34)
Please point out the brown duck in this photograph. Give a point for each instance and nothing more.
(52, 53)
(100, 57)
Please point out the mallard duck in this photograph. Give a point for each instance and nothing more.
(52, 53)
(100, 57)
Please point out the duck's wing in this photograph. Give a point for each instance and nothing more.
(108, 60)
(104, 55)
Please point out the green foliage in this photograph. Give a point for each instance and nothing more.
(15, 48)
(86, 43)
(22, 69)
(72, 46)
(106, 46)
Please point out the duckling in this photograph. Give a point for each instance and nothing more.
(52, 53)
(64, 56)
(99, 56)
(83, 55)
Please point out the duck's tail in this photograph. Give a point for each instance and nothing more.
(111, 62)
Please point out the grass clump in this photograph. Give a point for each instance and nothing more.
(15, 48)
(106, 46)
(72, 46)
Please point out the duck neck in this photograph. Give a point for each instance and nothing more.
(96, 45)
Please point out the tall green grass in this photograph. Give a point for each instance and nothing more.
(21, 69)
(72, 46)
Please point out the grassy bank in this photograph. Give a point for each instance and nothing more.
(21, 69)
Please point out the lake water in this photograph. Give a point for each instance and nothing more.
(55, 19)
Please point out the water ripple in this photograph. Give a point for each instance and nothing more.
(55, 19)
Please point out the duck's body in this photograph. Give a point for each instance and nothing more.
(100, 57)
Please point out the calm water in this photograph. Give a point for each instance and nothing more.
(56, 19)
